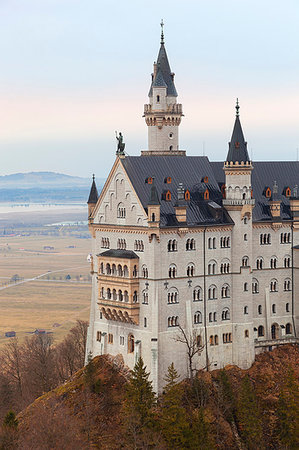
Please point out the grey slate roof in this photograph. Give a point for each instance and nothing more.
(164, 68)
(189, 170)
(154, 197)
(159, 80)
(118, 253)
(237, 148)
(264, 173)
(93, 195)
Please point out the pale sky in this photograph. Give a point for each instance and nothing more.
(74, 71)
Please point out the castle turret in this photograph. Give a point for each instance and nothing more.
(163, 114)
(93, 197)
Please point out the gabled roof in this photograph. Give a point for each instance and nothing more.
(237, 148)
(188, 170)
(263, 174)
(93, 195)
(165, 73)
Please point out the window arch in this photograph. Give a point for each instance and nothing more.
(245, 261)
(212, 292)
(144, 271)
(173, 321)
(168, 194)
(225, 242)
(172, 245)
(273, 308)
(255, 286)
(187, 195)
(259, 263)
(173, 296)
(145, 297)
(287, 261)
(289, 329)
(225, 266)
(206, 194)
(273, 262)
(212, 267)
(261, 331)
(138, 245)
(121, 210)
(190, 244)
(121, 244)
(225, 314)
(285, 238)
(197, 294)
(245, 287)
(273, 285)
(287, 284)
(288, 192)
(172, 271)
(259, 309)
(190, 270)
(197, 317)
(245, 309)
(225, 291)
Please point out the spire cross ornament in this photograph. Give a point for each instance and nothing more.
(237, 107)
(162, 33)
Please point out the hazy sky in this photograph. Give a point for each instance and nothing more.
(74, 71)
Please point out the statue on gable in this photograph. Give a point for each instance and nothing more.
(120, 144)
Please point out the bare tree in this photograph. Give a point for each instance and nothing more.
(194, 346)
(12, 364)
(79, 335)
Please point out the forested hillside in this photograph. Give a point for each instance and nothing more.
(106, 406)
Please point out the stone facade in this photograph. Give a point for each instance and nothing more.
(233, 282)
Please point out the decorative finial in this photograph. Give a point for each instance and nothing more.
(237, 107)
(162, 33)
(93, 177)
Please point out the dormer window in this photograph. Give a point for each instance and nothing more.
(187, 195)
(168, 196)
(206, 194)
(149, 180)
(158, 98)
(167, 180)
(288, 192)
(268, 192)
(205, 179)
(237, 144)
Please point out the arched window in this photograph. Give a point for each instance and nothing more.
(259, 263)
(275, 331)
(190, 244)
(109, 294)
(245, 261)
(168, 195)
(260, 309)
(172, 271)
(255, 286)
(114, 272)
(187, 195)
(246, 333)
(273, 308)
(145, 298)
(144, 272)
(135, 297)
(245, 287)
(245, 237)
(114, 294)
(173, 296)
(273, 262)
(212, 292)
(245, 309)
(131, 343)
(206, 194)
(212, 267)
(197, 317)
(225, 314)
(261, 331)
(173, 321)
(172, 245)
(126, 296)
(224, 266)
(285, 238)
(287, 261)
(121, 210)
(108, 269)
(121, 244)
(197, 294)
(190, 270)
(288, 192)
(145, 322)
(225, 291)
(273, 285)
(158, 98)
(135, 272)
(287, 284)
(102, 267)
(287, 307)
(288, 328)
(126, 271)
(120, 296)
(120, 270)
(268, 192)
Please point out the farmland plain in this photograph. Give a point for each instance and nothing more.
(44, 277)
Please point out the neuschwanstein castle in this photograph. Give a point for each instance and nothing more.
(177, 240)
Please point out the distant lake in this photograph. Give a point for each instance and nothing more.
(33, 207)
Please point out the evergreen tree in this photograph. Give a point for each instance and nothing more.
(201, 438)
(288, 413)
(174, 424)
(248, 416)
(10, 420)
(226, 396)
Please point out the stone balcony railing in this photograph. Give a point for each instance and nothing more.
(175, 108)
(274, 342)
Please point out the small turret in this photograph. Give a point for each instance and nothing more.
(294, 205)
(237, 151)
(93, 197)
(275, 201)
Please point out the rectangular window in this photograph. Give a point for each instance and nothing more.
(122, 340)
(99, 335)
(110, 338)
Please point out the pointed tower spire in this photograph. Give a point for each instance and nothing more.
(154, 198)
(237, 151)
(93, 195)
(162, 32)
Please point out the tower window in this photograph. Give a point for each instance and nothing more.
(158, 98)
(170, 148)
(170, 135)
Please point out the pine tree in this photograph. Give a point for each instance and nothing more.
(10, 420)
(174, 424)
(288, 413)
(227, 400)
(139, 394)
(201, 438)
(248, 416)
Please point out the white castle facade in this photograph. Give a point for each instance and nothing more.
(180, 241)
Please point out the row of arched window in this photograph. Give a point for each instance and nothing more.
(173, 297)
(225, 242)
(116, 271)
(273, 262)
(197, 318)
(105, 243)
(121, 211)
(265, 239)
(172, 245)
(285, 238)
(274, 330)
(138, 246)
(112, 294)
(190, 244)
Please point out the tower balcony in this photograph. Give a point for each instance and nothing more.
(238, 202)
(175, 108)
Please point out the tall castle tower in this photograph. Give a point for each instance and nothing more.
(163, 114)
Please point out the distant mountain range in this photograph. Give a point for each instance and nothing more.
(43, 179)
(43, 187)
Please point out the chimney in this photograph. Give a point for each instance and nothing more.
(181, 205)
(275, 202)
